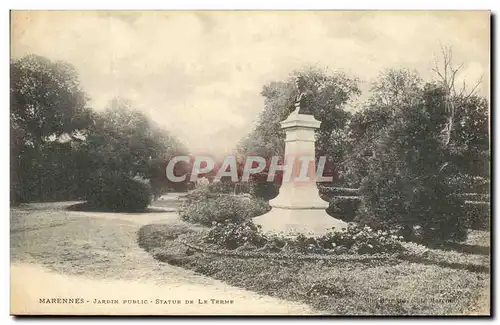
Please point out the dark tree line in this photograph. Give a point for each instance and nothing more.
(59, 145)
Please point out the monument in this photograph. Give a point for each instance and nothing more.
(298, 208)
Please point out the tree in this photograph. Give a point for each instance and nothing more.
(125, 141)
(406, 185)
(447, 76)
(393, 91)
(46, 99)
(47, 104)
(465, 131)
(331, 94)
(470, 143)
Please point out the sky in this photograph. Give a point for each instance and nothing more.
(199, 74)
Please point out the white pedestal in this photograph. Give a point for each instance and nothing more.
(298, 208)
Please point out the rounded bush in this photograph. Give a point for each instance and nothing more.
(264, 190)
(117, 192)
(204, 207)
(344, 207)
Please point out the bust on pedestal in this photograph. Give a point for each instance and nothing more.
(298, 208)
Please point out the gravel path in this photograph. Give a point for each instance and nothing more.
(57, 253)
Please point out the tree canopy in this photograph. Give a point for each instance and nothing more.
(332, 92)
(58, 143)
(46, 99)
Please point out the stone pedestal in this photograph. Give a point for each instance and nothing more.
(298, 208)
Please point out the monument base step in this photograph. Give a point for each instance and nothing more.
(288, 222)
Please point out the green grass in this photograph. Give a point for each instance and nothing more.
(435, 282)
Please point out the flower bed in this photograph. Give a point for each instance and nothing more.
(290, 255)
(351, 240)
(405, 283)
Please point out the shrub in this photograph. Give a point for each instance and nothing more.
(354, 239)
(344, 207)
(467, 183)
(264, 190)
(201, 193)
(407, 183)
(220, 187)
(225, 187)
(332, 192)
(362, 240)
(118, 192)
(428, 211)
(232, 235)
(478, 216)
(204, 207)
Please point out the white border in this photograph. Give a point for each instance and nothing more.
(255, 5)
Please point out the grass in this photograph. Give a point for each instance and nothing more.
(155, 235)
(100, 245)
(432, 282)
(105, 247)
(87, 207)
(66, 244)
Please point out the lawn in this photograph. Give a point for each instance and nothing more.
(94, 244)
(439, 282)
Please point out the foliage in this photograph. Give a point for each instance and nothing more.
(332, 92)
(264, 190)
(470, 145)
(222, 187)
(125, 140)
(406, 183)
(205, 207)
(353, 240)
(397, 90)
(58, 143)
(344, 202)
(478, 216)
(394, 90)
(154, 236)
(362, 240)
(344, 207)
(118, 192)
(51, 171)
(332, 191)
(470, 184)
(46, 98)
(48, 113)
(156, 171)
(232, 235)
